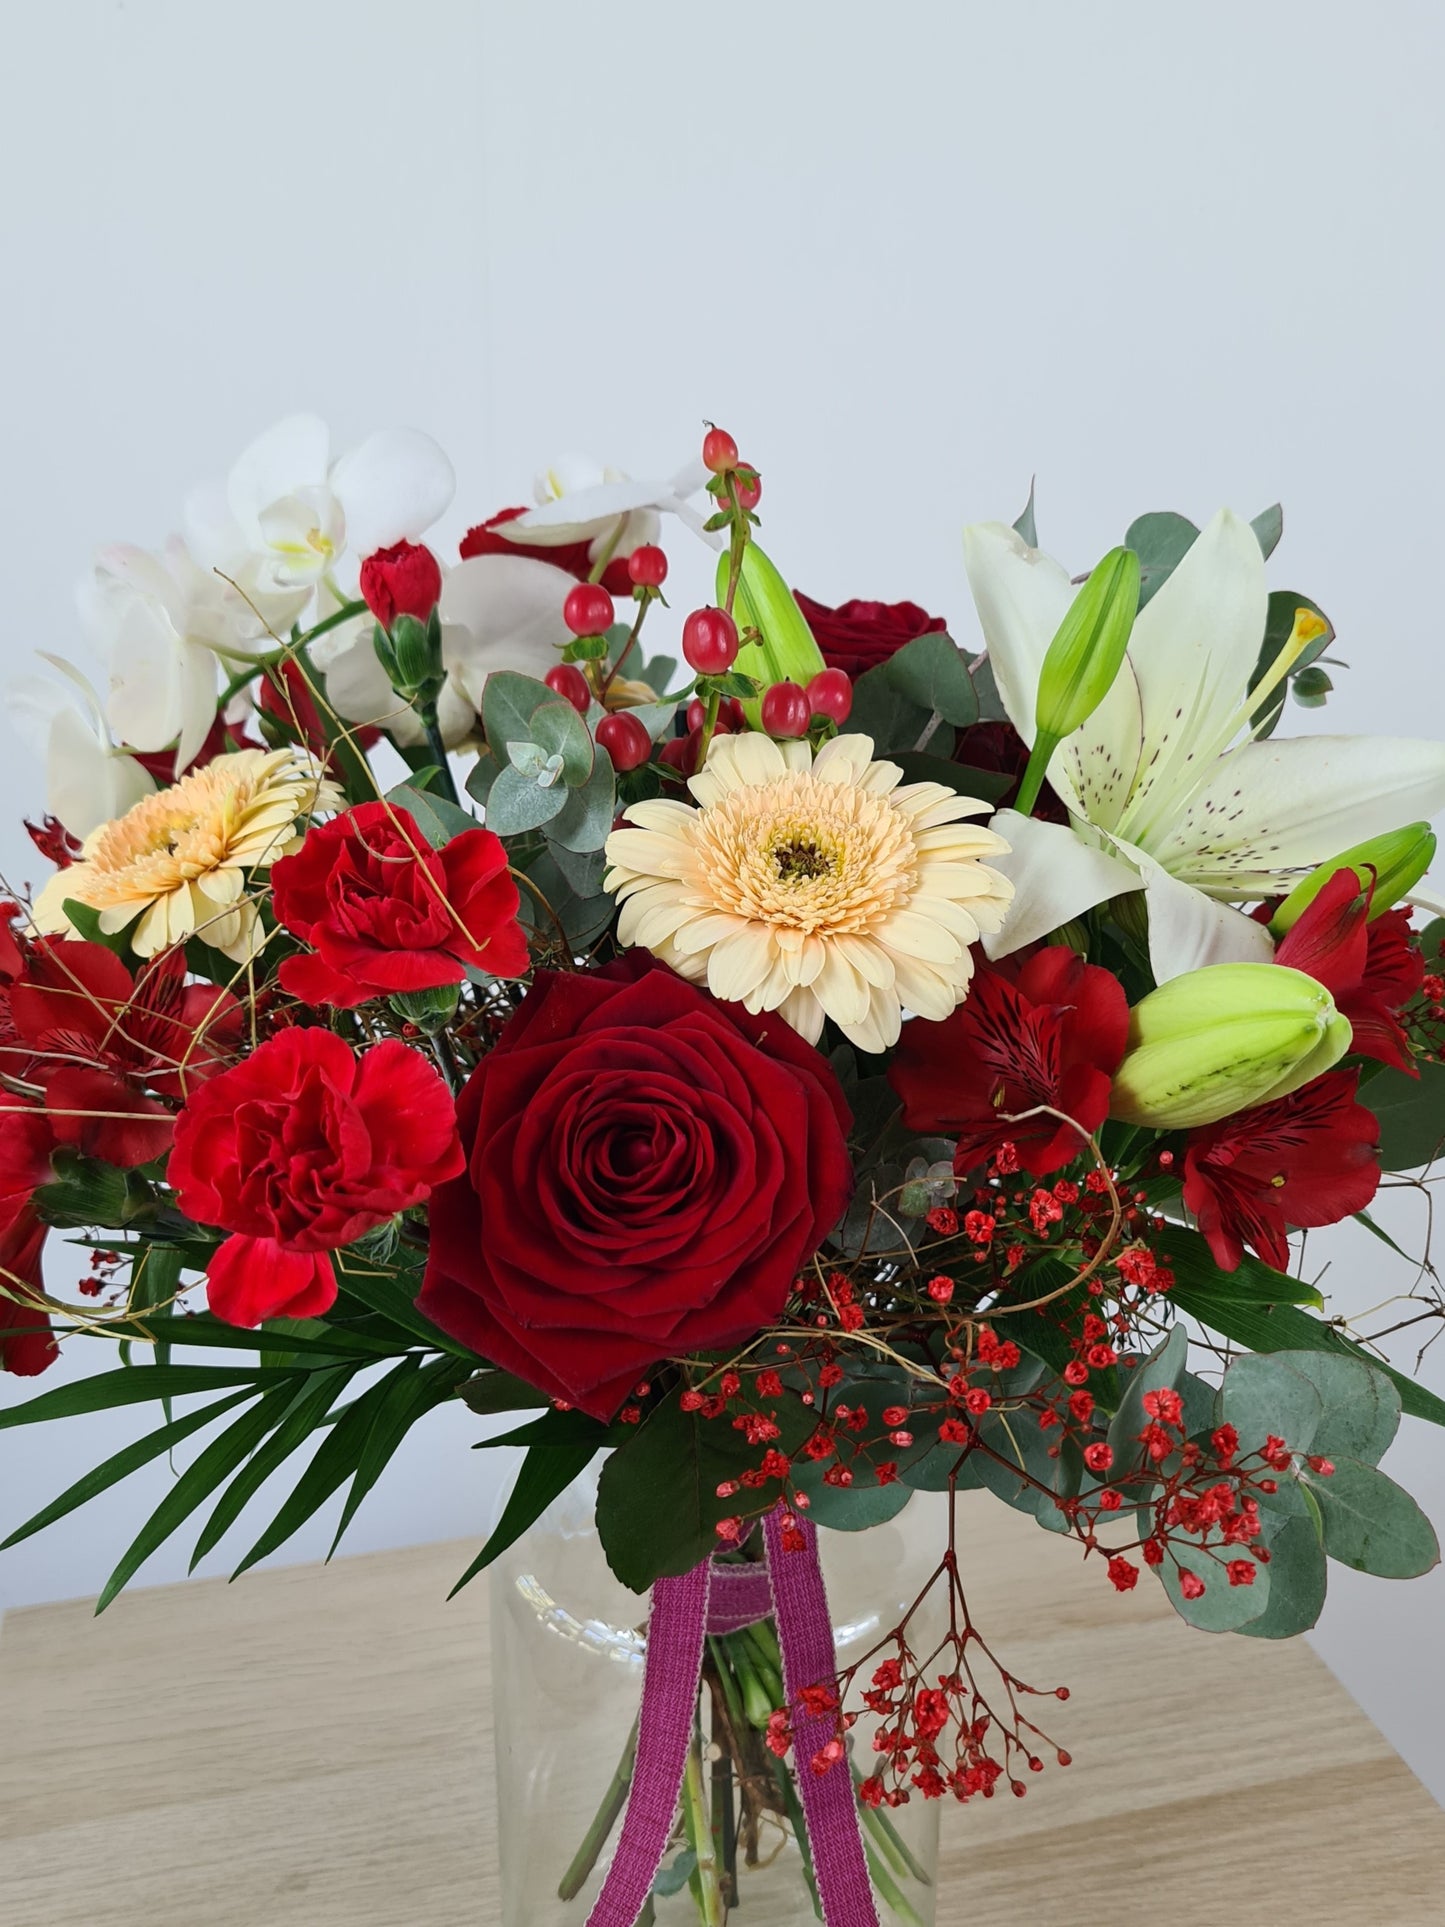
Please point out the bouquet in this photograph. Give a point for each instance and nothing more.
(788, 1060)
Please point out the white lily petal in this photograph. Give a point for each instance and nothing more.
(1188, 930)
(291, 455)
(1056, 876)
(393, 487)
(1021, 595)
(1193, 649)
(1273, 810)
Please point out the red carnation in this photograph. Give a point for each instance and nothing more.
(575, 557)
(1305, 1160)
(404, 580)
(647, 1169)
(857, 636)
(97, 1040)
(1371, 968)
(385, 913)
(300, 1150)
(1048, 1031)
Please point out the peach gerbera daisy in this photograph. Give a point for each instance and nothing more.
(176, 865)
(813, 886)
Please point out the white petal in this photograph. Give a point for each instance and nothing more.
(1056, 876)
(503, 612)
(289, 456)
(1274, 809)
(395, 485)
(86, 783)
(1021, 596)
(1193, 650)
(1188, 930)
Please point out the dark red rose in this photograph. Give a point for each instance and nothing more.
(98, 1042)
(1372, 969)
(1305, 1160)
(857, 636)
(1048, 1030)
(300, 1150)
(404, 580)
(647, 1170)
(575, 557)
(384, 912)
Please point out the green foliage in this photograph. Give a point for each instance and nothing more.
(1411, 1111)
(546, 1471)
(1263, 1394)
(1279, 624)
(855, 1508)
(1026, 525)
(582, 825)
(438, 819)
(1161, 540)
(85, 921)
(916, 697)
(1162, 1369)
(85, 1191)
(1371, 1523)
(490, 1392)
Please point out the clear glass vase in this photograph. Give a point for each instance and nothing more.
(567, 1653)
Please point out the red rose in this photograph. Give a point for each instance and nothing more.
(1050, 1030)
(26, 1144)
(575, 557)
(384, 912)
(647, 1170)
(404, 580)
(300, 1150)
(859, 635)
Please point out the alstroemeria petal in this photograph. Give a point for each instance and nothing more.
(1192, 650)
(394, 486)
(1021, 595)
(1188, 930)
(1271, 811)
(1056, 876)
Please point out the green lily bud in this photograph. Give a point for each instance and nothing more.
(786, 651)
(1082, 661)
(1223, 1039)
(1398, 859)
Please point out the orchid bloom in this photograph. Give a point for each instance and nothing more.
(88, 779)
(580, 500)
(1166, 790)
(497, 612)
(282, 519)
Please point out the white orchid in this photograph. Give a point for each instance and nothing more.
(282, 519)
(88, 778)
(580, 500)
(1165, 788)
(497, 612)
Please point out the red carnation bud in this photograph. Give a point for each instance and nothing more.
(404, 580)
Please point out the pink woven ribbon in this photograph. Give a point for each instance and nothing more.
(721, 1599)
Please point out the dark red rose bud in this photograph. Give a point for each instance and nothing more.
(588, 610)
(786, 710)
(857, 636)
(719, 451)
(568, 681)
(625, 740)
(647, 567)
(831, 695)
(710, 641)
(404, 580)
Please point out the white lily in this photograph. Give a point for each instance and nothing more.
(1165, 789)
(88, 779)
(580, 500)
(497, 612)
(284, 516)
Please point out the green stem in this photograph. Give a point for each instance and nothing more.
(889, 1891)
(626, 649)
(355, 772)
(609, 549)
(891, 1843)
(709, 724)
(1039, 757)
(273, 658)
(603, 1821)
(437, 747)
(800, 1830)
(704, 1882)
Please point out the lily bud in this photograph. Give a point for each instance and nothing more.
(1082, 661)
(1398, 860)
(786, 651)
(1223, 1039)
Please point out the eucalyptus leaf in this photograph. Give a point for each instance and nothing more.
(560, 731)
(1262, 1394)
(1297, 1580)
(1268, 526)
(509, 702)
(517, 803)
(1162, 1370)
(1361, 1407)
(855, 1508)
(586, 820)
(1371, 1523)
(1026, 525)
(1161, 541)
(931, 673)
(438, 819)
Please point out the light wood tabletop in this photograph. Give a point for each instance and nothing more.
(312, 1747)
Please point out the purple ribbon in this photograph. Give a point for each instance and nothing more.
(722, 1599)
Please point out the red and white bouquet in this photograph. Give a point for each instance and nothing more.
(804, 1061)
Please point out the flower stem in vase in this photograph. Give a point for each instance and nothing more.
(603, 1821)
(704, 1879)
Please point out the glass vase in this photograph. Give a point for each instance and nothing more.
(567, 1653)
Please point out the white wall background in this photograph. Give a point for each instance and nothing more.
(910, 255)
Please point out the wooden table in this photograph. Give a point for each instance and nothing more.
(312, 1747)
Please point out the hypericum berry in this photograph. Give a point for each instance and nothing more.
(588, 609)
(729, 715)
(786, 710)
(719, 450)
(567, 681)
(625, 740)
(749, 489)
(710, 641)
(831, 694)
(647, 567)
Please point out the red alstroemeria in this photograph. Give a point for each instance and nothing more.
(104, 1047)
(487, 538)
(26, 1144)
(284, 694)
(1305, 1160)
(1371, 968)
(1048, 1031)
